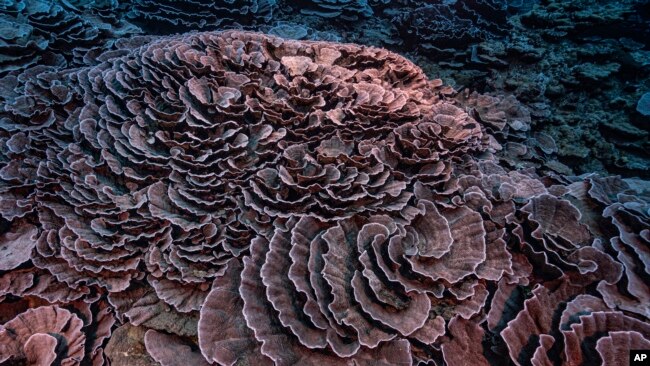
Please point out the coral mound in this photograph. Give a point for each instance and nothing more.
(227, 198)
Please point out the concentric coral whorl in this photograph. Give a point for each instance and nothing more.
(235, 197)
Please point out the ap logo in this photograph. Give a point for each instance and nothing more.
(639, 358)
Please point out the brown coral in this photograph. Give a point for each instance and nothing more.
(235, 197)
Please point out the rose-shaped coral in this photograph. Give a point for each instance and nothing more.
(346, 288)
(45, 32)
(43, 335)
(239, 198)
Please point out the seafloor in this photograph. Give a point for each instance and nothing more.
(324, 182)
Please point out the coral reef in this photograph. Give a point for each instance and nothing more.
(42, 32)
(174, 16)
(337, 10)
(300, 197)
(580, 67)
(430, 27)
(224, 198)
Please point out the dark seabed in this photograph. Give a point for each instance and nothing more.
(324, 182)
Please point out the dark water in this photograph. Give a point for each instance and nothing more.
(155, 210)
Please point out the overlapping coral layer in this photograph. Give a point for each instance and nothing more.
(234, 198)
(579, 67)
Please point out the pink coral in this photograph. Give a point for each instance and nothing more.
(233, 198)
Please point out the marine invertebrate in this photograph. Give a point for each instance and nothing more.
(583, 19)
(168, 17)
(45, 32)
(345, 10)
(432, 26)
(32, 335)
(322, 203)
(599, 130)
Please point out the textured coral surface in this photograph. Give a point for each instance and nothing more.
(234, 198)
(579, 67)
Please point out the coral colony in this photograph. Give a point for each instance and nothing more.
(324, 182)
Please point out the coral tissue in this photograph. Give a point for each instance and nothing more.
(234, 198)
